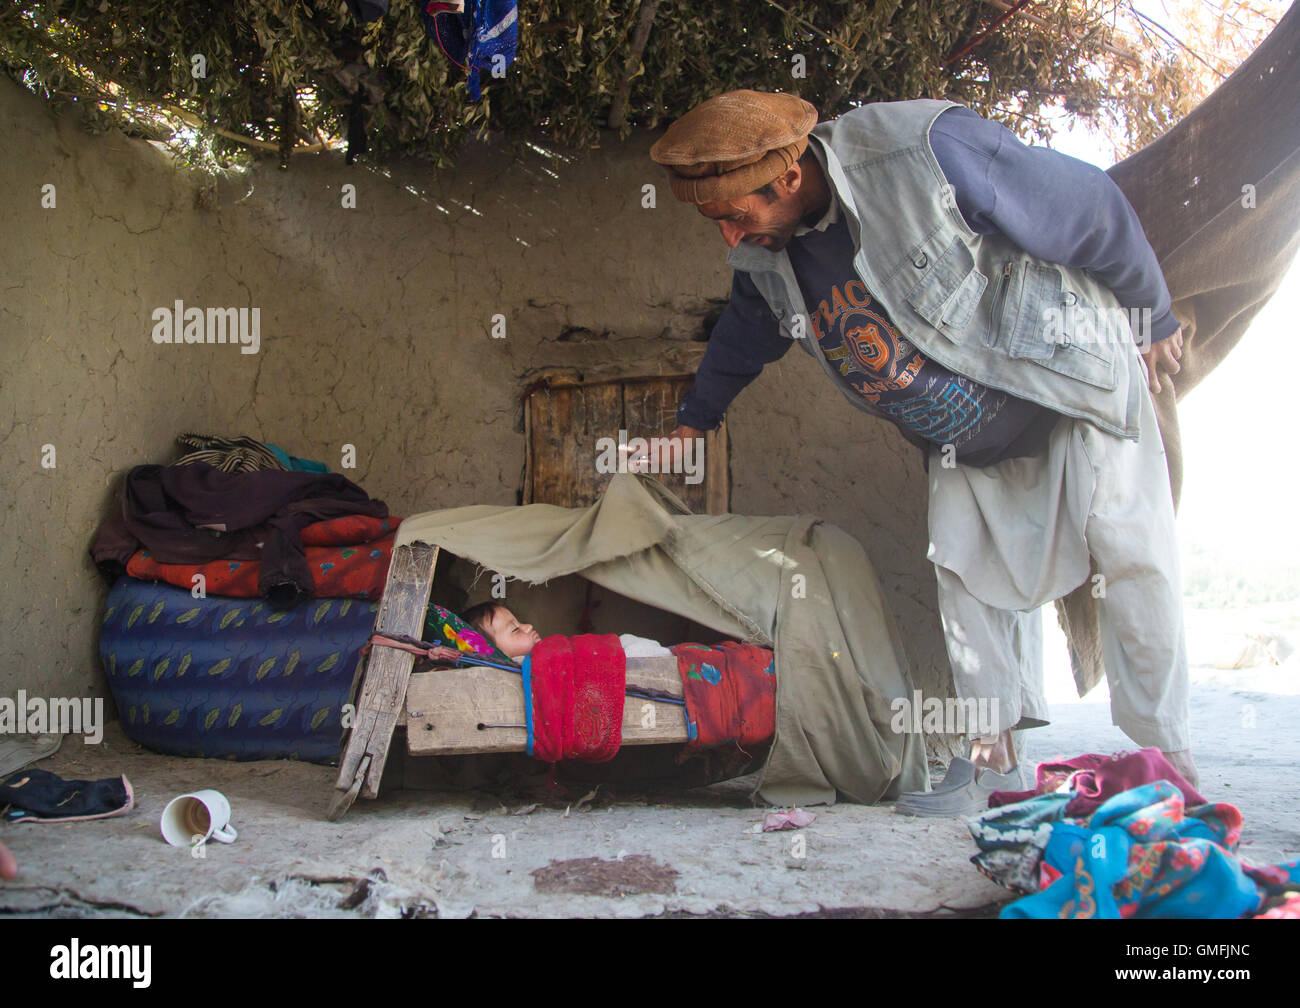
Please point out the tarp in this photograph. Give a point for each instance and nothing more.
(795, 584)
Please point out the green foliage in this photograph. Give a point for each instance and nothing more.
(128, 63)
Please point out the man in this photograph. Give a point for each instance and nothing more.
(977, 293)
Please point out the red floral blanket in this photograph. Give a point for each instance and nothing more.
(730, 693)
(348, 557)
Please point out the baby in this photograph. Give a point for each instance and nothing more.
(515, 640)
(498, 624)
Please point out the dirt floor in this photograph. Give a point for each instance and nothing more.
(456, 854)
(491, 852)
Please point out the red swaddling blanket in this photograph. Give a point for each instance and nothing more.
(573, 693)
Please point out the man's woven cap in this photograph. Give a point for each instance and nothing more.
(734, 143)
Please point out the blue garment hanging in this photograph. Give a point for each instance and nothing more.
(486, 33)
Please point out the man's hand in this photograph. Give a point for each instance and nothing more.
(1165, 354)
(667, 451)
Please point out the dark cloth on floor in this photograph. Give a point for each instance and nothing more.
(40, 796)
(348, 558)
(1013, 838)
(1094, 779)
(573, 698)
(196, 513)
(730, 693)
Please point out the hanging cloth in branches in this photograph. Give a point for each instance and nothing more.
(368, 10)
(484, 36)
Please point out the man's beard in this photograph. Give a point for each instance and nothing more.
(774, 242)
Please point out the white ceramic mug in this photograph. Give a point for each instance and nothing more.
(196, 818)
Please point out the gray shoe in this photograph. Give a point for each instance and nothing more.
(960, 772)
(968, 795)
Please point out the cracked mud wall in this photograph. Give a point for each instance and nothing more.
(375, 332)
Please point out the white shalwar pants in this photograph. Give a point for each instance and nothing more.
(1008, 538)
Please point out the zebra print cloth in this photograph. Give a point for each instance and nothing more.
(238, 454)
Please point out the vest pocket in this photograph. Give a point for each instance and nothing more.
(947, 289)
(1061, 330)
(1040, 297)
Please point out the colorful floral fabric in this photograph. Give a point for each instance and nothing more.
(442, 626)
(1285, 907)
(1144, 854)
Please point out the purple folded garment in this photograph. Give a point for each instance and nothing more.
(1096, 778)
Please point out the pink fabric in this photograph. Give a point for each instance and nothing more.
(1097, 778)
(1289, 909)
(796, 818)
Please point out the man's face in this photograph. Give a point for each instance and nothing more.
(756, 219)
(512, 638)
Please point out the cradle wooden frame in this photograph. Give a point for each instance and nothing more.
(460, 710)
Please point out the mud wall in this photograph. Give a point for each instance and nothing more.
(376, 332)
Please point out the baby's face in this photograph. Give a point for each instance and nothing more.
(513, 639)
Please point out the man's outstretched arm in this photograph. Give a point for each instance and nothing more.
(745, 339)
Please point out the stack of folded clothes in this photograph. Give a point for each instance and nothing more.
(245, 583)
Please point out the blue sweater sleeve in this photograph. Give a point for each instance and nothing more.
(745, 339)
(1053, 206)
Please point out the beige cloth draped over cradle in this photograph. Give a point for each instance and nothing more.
(795, 584)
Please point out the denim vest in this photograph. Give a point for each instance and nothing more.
(976, 304)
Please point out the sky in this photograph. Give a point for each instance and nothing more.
(1241, 481)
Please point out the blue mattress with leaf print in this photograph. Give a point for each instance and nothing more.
(231, 678)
